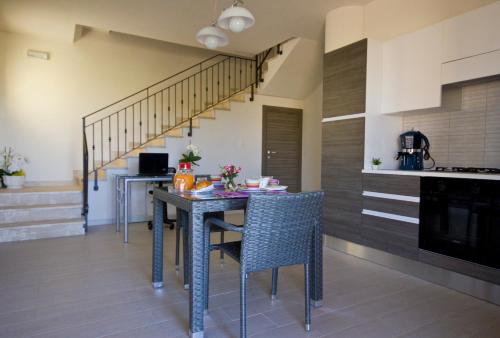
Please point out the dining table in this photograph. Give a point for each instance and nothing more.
(190, 209)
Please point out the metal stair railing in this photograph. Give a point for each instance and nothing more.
(118, 129)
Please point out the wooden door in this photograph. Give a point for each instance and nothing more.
(282, 145)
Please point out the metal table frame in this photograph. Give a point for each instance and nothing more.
(198, 239)
(124, 194)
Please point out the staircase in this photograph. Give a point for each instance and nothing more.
(148, 118)
(40, 212)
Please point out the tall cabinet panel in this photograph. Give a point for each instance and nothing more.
(344, 80)
(343, 144)
(344, 87)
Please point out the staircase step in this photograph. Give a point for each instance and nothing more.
(20, 231)
(224, 105)
(157, 142)
(177, 133)
(40, 195)
(209, 114)
(240, 97)
(134, 153)
(77, 174)
(39, 212)
(119, 163)
(196, 124)
(130, 153)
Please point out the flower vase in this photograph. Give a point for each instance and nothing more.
(14, 182)
(230, 185)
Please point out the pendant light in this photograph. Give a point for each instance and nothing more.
(236, 18)
(212, 36)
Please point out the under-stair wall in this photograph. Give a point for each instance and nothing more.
(297, 72)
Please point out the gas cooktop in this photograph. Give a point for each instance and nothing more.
(468, 170)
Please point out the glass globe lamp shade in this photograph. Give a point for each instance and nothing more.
(236, 19)
(212, 37)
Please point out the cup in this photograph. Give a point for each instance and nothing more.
(274, 181)
(264, 181)
(252, 183)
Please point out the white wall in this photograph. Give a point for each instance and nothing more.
(311, 139)
(42, 102)
(344, 26)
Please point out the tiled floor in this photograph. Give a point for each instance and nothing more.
(94, 286)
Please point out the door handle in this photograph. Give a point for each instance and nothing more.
(271, 152)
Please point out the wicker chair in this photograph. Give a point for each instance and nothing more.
(178, 226)
(278, 231)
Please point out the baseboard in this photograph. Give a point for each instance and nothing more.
(453, 280)
(48, 183)
(106, 221)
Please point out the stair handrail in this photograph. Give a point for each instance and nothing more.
(163, 80)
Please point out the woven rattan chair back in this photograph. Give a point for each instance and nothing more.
(279, 229)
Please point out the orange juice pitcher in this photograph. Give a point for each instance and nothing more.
(184, 179)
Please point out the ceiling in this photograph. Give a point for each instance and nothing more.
(174, 21)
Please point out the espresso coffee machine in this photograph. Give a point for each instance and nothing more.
(414, 150)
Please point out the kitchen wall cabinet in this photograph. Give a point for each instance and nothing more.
(344, 80)
(342, 161)
(473, 33)
(470, 68)
(411, 71)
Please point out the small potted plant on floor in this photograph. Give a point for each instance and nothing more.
(376, 163)
(12, 168)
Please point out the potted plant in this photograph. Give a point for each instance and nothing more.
(192, 155)
(376, 162)
(12, 168)
(229, 173)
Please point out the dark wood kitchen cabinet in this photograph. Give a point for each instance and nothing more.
(389, 222)
(342, 162)
(344, 80)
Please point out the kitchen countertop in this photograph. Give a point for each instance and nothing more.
(431, 173)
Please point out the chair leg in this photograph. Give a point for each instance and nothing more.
(221, 251)
(177, 245)
(243, 305)
(307, 286)
(274, 288)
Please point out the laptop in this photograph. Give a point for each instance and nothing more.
(153, 164)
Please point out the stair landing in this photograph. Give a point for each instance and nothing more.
(40, 212)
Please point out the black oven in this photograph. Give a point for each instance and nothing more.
(461, 218)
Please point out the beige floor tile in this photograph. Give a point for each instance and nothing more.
(94, 286)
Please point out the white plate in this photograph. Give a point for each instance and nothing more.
(203, 190)
(247, 188)
(276, 188)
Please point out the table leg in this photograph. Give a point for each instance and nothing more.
(317, 267)
(196, 280)
(117, 202)
(125, 221)
(158, 243)
(185, 246)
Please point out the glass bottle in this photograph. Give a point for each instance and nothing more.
(184, 178)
